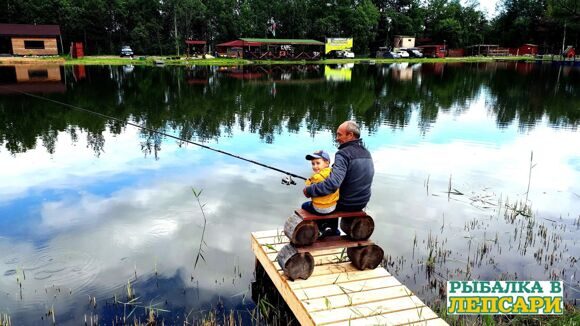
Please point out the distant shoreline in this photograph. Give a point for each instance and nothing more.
(157, 60)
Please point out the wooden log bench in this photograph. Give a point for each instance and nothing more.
(301, 228)
(298, 262)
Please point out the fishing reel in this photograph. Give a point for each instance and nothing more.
(288, 181)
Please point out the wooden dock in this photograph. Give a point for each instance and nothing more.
(339, 294)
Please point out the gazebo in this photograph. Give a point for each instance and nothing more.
(235, 49)
(265, 49)
(195, 47)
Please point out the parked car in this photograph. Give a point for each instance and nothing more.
(414, 53)
(344, 54)
(403, 54)
(391, 55)
(126, 51)
(340, 54)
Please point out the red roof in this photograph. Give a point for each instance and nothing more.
(29, 30)
(239, 44)
(195, 42)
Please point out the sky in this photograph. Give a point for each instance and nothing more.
(489, 7)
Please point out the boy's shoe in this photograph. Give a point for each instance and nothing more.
(328, 231)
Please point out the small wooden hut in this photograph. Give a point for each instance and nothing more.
(25, 39)
(195, 48)
(525, 49)
(433, 51)
(403, 42)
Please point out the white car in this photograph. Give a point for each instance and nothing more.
(403, 54)
(126, 51)
(345, 54)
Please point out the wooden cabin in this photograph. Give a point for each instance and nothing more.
(195, 48)
(433, 51)
(24, 39)
(456, 52)
(402, 41)
(525, 49)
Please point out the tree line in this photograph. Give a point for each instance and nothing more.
(308, 102)
(161, 26)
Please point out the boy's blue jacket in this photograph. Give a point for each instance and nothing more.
(352, 172)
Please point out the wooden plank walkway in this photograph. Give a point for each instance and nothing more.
(339, 294)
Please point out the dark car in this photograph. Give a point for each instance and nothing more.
(126, 51)
(385, 52)
(414, 53)
(390, 55)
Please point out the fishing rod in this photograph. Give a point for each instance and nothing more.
(285, 181)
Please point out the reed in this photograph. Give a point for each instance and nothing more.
(197, 195)
(5, 320)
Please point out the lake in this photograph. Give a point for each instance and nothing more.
(477, 177)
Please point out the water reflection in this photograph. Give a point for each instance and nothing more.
(341, 72)
(377, 94)
(102, 204)
(43, 79)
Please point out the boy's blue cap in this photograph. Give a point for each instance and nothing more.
(318, 154)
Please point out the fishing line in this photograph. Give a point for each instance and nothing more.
(287, 180)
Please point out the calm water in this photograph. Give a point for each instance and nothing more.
(89, 204)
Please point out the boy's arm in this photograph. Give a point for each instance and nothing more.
(333, 182)
(315, 178)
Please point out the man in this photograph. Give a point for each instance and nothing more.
(352, 172)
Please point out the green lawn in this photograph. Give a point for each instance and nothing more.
(227, 61)
(152, 60)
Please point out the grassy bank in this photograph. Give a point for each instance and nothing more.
(153, 60)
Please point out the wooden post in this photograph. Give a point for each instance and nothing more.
(300, 232)
(295, 265)
(366, 257)
(358, 228)
(61, 46)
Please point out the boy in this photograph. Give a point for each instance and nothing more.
(320, 161)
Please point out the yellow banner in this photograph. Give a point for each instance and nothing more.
(336, 43)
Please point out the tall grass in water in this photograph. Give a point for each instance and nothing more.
(197, 195)
(541, 239)
(5, 320)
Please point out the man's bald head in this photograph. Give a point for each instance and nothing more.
(347, 131)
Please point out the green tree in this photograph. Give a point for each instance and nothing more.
(520, 21)
(399, 17)
(363, 23)
(566, 17)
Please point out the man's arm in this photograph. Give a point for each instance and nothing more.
(333, 182)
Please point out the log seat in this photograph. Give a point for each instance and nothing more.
(307, 216)
(333, 242)
(357, 225)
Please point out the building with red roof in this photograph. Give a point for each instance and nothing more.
(265, 49)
